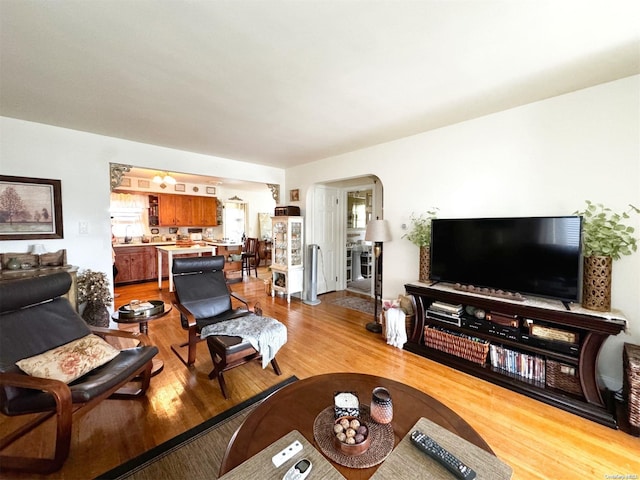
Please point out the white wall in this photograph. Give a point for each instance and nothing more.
(81, 161)
(544, 158)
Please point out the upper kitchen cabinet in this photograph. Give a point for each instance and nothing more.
(184, 210)
(205, 211)
(167, 210)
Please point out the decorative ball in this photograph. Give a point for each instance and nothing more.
(345, 423)
(359, 438)
(341, 436)
(350, 441)
(337, 428)
(355, 423)
(363, 430)
(350, 433)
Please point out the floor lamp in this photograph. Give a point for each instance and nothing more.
(377, 232)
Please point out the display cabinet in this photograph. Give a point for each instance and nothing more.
(287, 255)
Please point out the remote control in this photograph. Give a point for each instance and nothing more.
(429, 446)
(279, 458)
(299, 471)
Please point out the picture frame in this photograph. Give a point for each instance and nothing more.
(294, 195)
(180, 187)
(30, 208)
(211, 190)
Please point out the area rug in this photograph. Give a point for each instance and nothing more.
(355, 303)
(196, 453)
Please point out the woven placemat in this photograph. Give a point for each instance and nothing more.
(381, 440)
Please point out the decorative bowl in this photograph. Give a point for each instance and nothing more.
(355, 448)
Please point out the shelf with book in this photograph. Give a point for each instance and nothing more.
(540, 350)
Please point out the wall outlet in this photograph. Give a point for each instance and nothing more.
(83, 228)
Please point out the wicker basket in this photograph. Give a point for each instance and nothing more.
(470, 348)
(563, 377)
(631, 384)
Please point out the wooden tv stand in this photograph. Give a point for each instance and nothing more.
(578, 365)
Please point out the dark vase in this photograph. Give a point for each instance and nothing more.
(96, 314)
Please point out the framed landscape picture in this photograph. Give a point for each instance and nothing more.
(30, 208)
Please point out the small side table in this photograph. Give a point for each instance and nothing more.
(143, 322)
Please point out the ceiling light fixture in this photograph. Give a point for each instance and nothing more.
(164, 179)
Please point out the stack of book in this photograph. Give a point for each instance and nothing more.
(445, 313)
(523, 365)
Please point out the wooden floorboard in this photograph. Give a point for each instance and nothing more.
(538, 441)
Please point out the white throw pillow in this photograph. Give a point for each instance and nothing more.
(70, 361)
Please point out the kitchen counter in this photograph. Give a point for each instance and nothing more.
(170, 250)
(142, 244)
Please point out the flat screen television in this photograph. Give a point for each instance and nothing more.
(540, 256)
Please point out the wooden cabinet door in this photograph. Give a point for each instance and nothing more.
(184, 210)
(151, 263)
(137, 265)
(167, 210)
(209, 206)
(197, 211)
(122, 264)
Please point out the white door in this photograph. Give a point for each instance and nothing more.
(326, 223)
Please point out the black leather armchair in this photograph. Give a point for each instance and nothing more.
(202, 297)
(35, 318)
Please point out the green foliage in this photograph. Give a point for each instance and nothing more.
(604, 234)
(420, 233)
(93, 287)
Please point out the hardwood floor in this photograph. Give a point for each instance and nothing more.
(536, 440)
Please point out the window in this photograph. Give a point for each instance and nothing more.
(234, 220)
(129, 215)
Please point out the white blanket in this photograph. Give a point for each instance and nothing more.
(396, 329)
(265, 334)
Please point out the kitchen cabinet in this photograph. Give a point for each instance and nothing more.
(167, 210)
(135, 264)
(183, 210)
(204, 211)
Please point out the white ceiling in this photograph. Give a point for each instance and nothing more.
(287, 82)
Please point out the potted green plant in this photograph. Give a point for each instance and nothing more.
(94, 291)
(605, 238)
(420, 235)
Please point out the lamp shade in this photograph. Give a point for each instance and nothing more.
(377, 231)
(38, 249)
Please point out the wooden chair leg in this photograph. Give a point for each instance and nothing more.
(276, 367)
(192, 344)
(219, 365)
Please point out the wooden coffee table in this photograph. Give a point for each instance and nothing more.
(296, 406)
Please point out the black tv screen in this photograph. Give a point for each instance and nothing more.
(539, 256)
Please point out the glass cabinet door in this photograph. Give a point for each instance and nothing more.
(288, 242)
(296, 243)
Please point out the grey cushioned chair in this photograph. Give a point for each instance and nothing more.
(35, 318)
(203, 298)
